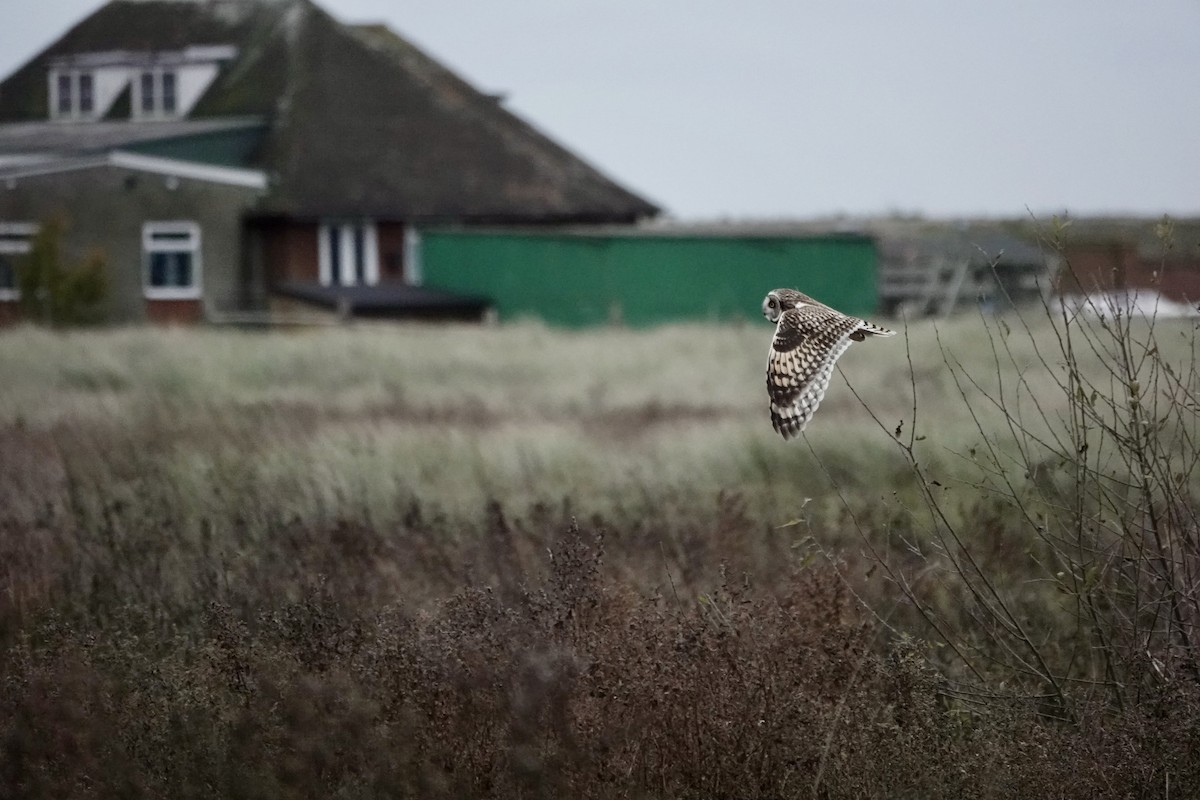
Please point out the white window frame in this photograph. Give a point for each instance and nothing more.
(57, 79)
(150, 245)
(157, 82)
(16, 239)
(346, 260)
(74, 81)
(90, 112)
(414, 273)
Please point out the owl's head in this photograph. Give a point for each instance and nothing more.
(780, 300)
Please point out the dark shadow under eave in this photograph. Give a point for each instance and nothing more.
(389, 301)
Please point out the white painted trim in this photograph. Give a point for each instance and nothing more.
(413, 273)
(158, 80)
(152, 228)
(349, 266)
(154, 293)
(52, 166)
(209, 173)
(347, 262)
(135, 92)
(209, 53)
(104, 92)
(16, 160)
(18, 248)
(371, 252)
(192, 245)
(52, 91)
(197, 54)
(29, 229)
(324, 265)
(72, 76)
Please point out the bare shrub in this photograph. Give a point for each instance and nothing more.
(1071, 578)
(55, 293)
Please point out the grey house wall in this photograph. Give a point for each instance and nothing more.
(104, 208)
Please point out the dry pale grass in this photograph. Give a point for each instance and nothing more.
(514, 562)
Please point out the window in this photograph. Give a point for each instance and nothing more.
(72, 94)
(157, 93)
(140, 84)
(16, 240)
(348, 254)
(360, 254)
(147, 93)
(335, 254)
(168, 93)
(171, 254)
(86, 96)
(66, 105)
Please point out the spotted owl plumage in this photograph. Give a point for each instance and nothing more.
(809, 339)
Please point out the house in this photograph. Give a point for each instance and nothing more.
(244, 159)
(1105, 256)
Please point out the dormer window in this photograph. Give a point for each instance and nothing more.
(147, 94)
(156, 94)
(66, 103)
(168, 92)
(74, 94)
(86, 99)
(160, 85)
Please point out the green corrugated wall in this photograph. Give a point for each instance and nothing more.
(643, 279)
(231, 148)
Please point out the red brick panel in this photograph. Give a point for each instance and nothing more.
(392, 268)
(10, 312)
(290, 251)
(174, 312)
(1097, 267)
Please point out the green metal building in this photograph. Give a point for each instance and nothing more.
(646, 277)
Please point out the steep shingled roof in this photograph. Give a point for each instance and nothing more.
(361, 121)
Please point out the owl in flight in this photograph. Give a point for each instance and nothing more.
(809, 338)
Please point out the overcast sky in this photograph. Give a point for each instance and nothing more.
(784, 108)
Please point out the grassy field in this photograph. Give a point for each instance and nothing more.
(522, 562)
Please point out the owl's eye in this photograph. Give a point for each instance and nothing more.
(771, 302)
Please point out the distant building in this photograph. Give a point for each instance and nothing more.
(649, 275)
(937, 268)
(234, 159)
(1105, 256)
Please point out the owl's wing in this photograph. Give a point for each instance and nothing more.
(808, 341)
